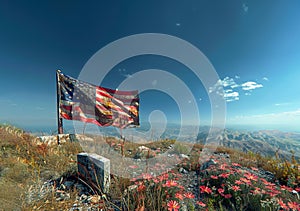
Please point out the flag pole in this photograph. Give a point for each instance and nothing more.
(122, 143)
(59, 119)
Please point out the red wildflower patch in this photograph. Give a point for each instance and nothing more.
(238, 182)
(236, 164)
(179, 196)
(256, 191)
(200, 203)
(220, 190)
(227, 196)
(205, 189)
(214, 177)
(141, 188)
(224, 175)
(282, 204)
(223, 166)
(283, 187)
(173, 205)
(170, 183)
(250, 176)
(236, 188)
(247, 181)
(147, 176)
(254, 169)
(294, 205)
(189, 195)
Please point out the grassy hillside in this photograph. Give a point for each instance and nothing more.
(236, 181)
(24, 166)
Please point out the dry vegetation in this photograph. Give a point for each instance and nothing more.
(24, 166)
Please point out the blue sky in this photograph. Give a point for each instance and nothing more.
(254, 47)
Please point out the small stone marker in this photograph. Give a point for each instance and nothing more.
(95, 169)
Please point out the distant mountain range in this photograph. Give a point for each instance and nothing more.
(264, 142)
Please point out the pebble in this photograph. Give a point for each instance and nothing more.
(183, 171)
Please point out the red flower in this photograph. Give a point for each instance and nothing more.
(263, 180)
(250, 176)
(235, 188)
(267, 183)
(164, 176)
(283, 187)
(221, 190)
(245, 181)
(254, 169)
(173, 205)
(146, 176)
(282, 204)
(224, 175)
(214, 177)
(170, 183)
(189, 195)
(180, 187)
(133, 179)
(205, 189)
(227, 196)
(223, 166)
(200, 203)
(141, 187)
(238, 182)
(293, 205)
(155, 180)
(236, 164)
(256, 191)
(274, 193)
(270, 187)
(179, 196)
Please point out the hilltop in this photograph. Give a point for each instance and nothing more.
(36, 174)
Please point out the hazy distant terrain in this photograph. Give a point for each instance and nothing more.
(265, 142)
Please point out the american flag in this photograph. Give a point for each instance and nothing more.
(85, 102)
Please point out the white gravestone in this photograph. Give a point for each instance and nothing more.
(95, 169)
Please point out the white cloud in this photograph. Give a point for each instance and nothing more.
(282, 104)
(229, 82)
(265, 79)
(250, 85)
(237, 77)
(178, 24)
(230, 96)
(229, 89)
(223, 84)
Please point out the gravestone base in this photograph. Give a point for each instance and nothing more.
(95, 170)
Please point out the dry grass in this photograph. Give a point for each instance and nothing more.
(24, 166)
